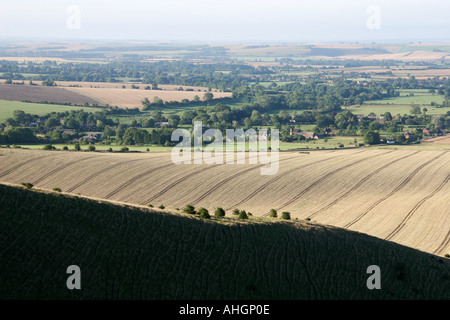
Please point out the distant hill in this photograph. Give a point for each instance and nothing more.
(136, 253)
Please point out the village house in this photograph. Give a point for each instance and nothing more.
(372, 116)
(305, 134)
(92, 137)
(330, 132)
(68, 132)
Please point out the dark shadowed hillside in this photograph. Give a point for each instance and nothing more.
(133, 253)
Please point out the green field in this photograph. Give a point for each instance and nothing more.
(332, 142)
(7, 108)
(420, 96)
(268, 83)
(298, 73)
(29, 76)
(393, 109)
(99, 147)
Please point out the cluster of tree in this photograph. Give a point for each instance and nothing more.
(313, 95)
(435, 85)
(348, 124)
(220, 212)
(17, 135)
(132, 136)
(158, 103)
(223, 76)
(374, 137)
(52, 125)
(69, 125)
(223, 117)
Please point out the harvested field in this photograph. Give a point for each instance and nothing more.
(118, 85)
(131, 98)
(404, 56)
(444, 140)
(429, 73)
(40, 93)
(399, 195)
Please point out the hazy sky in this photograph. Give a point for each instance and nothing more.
(226, 20)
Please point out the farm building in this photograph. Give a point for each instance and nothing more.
(330, 132)
(372, 116)
(68, 131)
(93, 136)
(306, 134)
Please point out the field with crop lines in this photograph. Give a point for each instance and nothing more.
(132, 98)
(398, 195)
(39, 93)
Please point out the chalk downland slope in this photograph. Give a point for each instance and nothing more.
(397, 195)
(134, 253)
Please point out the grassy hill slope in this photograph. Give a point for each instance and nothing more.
(132, 253)
(396, 195)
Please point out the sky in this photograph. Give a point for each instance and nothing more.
(226, 20)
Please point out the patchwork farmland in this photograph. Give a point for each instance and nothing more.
(363, 177)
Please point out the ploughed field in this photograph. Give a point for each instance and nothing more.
(397, 195)
(79, 93)
(38, 94)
